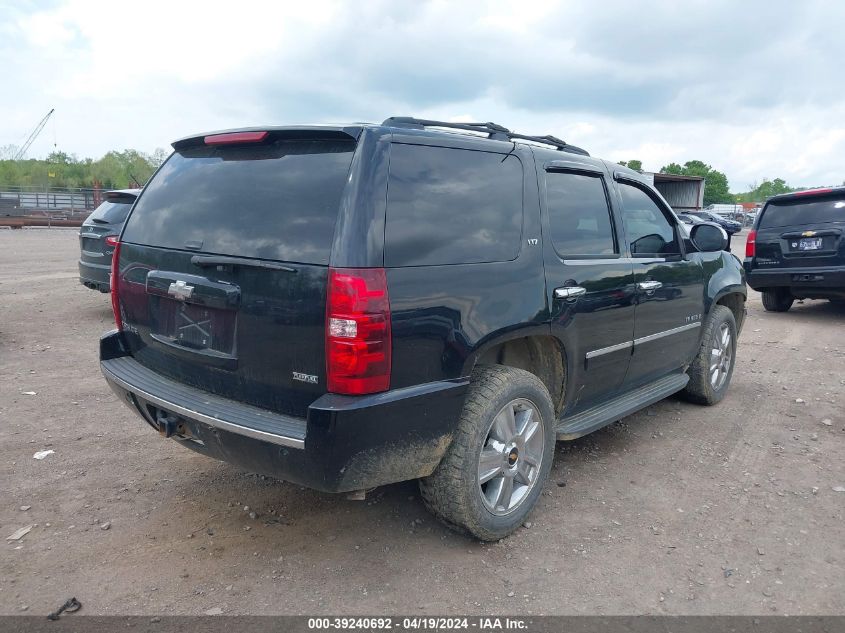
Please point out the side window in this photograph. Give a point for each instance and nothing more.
(648, 230)
(579, 214)
(452, 206)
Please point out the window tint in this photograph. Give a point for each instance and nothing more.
(112, 212)
(648, 230)
(803, 212)
(276, 201)
(578, 214)
(452, 206)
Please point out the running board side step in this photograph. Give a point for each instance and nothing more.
(575, 426)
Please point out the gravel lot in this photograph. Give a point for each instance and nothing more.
(734, 509)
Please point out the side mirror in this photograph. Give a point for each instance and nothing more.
(708, 237)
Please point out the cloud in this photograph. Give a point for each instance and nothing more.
(751, 88)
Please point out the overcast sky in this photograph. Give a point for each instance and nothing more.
(753, 88)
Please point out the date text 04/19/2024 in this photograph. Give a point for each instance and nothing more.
(424, 623)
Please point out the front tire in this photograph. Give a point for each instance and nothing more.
(777, 299)
(494, 471)
(711, 370)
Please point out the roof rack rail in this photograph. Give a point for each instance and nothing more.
(494, 131)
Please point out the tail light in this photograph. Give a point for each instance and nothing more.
(112, 240)
(751, 244)
(114, 281)
(358, 340)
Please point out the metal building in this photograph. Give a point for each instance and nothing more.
(683, 193)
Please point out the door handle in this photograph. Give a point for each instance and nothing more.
(570, 292)
(649, 286)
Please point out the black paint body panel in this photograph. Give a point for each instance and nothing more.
(443, 319)
(350, 443)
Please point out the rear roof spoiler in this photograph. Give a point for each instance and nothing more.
(821, 192)
(294, 132)
(122, 195)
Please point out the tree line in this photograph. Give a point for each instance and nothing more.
(716, 188)
(131, 168)
(115, 170)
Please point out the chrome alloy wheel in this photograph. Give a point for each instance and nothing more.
(509, 463)
(721, 357)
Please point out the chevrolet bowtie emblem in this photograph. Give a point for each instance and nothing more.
(808, 234)
(180, 290)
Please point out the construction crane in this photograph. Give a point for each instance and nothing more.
(34, 135)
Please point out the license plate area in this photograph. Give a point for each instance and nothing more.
(192, 327)
(92, 244)
(808, 244)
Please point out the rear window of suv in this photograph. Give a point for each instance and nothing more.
(452, 206)
(111, 212)
(799, 212)
(276, 201)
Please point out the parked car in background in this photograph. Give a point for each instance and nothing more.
(730, 226)
(98, 237)
(345, 307)
(750, 218)
(796, 249)
(690, 219)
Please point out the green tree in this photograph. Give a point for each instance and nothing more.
(119, 170)
(115, 170)
(716, 188)
(636, 165)
(765, 190)
(774, 187)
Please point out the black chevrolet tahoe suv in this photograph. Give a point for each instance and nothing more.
(796, 249)
(346, 307)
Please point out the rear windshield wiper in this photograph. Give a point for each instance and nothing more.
(204, 261)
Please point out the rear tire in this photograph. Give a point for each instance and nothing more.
(777, 300)
(710, 373)
(494, 471)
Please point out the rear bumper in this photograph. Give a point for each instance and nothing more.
(160, 394)
(346, 443)
(816, 280)
(94, 276)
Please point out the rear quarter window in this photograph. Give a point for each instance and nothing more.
(278, 201)
(452, 206)
(799, 212)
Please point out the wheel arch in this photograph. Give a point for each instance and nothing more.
(733, 299)
(532, 349)
(725, 285)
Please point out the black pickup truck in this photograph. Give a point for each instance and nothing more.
(346, 307)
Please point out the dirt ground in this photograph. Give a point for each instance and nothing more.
(679, 509)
